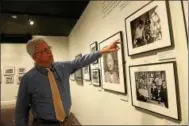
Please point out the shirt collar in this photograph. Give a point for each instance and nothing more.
(43, 69)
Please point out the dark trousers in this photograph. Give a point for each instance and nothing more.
(69, 121)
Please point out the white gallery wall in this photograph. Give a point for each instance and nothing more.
(95, 106)
(17, 56)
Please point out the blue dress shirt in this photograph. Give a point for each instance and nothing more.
(35, 93)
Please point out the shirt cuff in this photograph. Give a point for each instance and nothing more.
(98, 53)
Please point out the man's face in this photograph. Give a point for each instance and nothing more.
(43, 54)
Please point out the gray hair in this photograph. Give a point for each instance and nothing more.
(30, 47)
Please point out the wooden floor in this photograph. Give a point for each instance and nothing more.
(7, 116)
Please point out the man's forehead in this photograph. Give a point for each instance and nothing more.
(41, 45)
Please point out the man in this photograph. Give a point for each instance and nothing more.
(45, 88)
(139, 34)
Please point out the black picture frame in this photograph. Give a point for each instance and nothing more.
(153, 45)
(99, 78)
(123, 86)
(178, 118)
(95, 45)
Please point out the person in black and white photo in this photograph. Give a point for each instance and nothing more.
(151, 87)
(111, 73)
(139, 34)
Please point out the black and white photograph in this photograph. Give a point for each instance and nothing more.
(9, 79)
(21, 70)
(9, 71)
(112, 66)
(86, 73)
(95, 77)
(148, 28)
(153, 88)
(93, 48)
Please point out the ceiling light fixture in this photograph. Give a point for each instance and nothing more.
(31, 22)
(14, 16)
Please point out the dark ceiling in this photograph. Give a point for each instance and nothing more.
(50, 18)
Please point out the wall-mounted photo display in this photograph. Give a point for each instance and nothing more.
(95, 77)
(9, 79)
(19, 78)
(154, 88)
(21, 70)
(86, 73)
(78, 73)
(149, 28)
(9, 70)
(93, 48)
(112, 66)
(72, 77)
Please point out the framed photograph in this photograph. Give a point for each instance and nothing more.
(184, 4)
(93, 48)
(19, 78)
(21, 70)
(9, 71)
(78, 73)
(9, 79)
(86, 73)
(154, 88)
(149, 28)
(72, 77)
(112, 66)
(95, 77)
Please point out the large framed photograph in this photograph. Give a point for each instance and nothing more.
(149, 28)
(112, 66)
(154, 88)
(8, 70)
(9, 79)
(86, 73)
(93, 48)
(95, 77)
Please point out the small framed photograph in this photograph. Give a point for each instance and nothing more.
(72, 77)
(19, 78)
(21, 70)
(95, 77)
(9, 79)
(93, 48)
(9, 70)
(79, 73)
(154, 88)
(86, 73)
(149, 28)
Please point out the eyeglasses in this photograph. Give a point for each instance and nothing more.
(46, 50)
